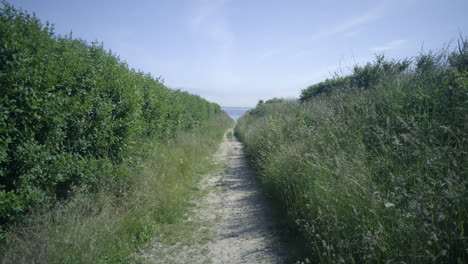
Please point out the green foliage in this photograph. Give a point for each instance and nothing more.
(324, 87)
(361, 77)
(105, 227)
(73, 114)
(373, 171)
(459, 59)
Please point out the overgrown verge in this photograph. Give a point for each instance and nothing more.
(73, 115)
(105, 227)
(94, 157)
(372, 167)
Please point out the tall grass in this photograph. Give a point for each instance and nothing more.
(103, 227)
(372, 167)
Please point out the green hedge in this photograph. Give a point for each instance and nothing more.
(74, 114)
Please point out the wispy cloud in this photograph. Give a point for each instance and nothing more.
(394, 44)
(266, 55)
(301, 53)
(352, 33)
(347, 28)
(208, 20)
(351, 25)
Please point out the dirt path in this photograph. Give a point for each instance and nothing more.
(233, 216)
(245, 233)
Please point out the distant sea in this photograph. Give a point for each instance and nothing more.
(235, 112)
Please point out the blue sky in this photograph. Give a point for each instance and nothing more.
(240, 51)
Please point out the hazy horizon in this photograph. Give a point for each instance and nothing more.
(236, 53)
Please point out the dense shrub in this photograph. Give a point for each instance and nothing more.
(363, 77)
(105, 228)
(324, 87)
(373, 171)
(74, 114)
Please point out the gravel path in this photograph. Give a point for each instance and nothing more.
(233, 215)
(245, 233)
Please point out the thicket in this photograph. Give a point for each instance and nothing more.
(105, 227)
(364, 77)
(73, 115)
(372, 167)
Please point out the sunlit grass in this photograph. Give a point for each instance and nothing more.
(105, 228)
(375, 173)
